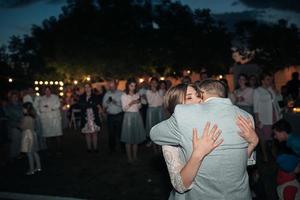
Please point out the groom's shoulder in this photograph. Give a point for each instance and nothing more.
(242, 112)
(186, 109)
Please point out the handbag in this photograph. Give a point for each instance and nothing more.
(27, 141)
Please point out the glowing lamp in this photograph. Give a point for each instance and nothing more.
(75, 82)
(37, 94)
(61, 94)
(51, 82)
(56, 82)
(296, 110)
(88, 78)
(162, 78)
(36, 82)
(61, 83)
(61, 88)
(41, 82)
(10, 80)
(220, 76)
(46, 82)
(141, 80)
(36, 88)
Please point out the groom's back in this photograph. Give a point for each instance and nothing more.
(222, 174)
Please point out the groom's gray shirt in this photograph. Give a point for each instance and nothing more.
(223, 174)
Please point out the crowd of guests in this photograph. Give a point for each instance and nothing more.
(35, 122)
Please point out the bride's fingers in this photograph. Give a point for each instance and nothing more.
(243, 125)
(217, 135)
(206, 129)
(213, 131)
(218, 142)
(250, 122)
(246, 122)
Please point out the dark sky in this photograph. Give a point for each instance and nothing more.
(17, 16)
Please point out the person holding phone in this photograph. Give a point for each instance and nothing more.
(133, 132)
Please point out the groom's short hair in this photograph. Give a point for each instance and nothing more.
(213, 87)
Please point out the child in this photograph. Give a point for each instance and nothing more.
(288, 187)
(29, 139)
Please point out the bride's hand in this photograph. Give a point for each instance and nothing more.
(207, 142)
(247, 130)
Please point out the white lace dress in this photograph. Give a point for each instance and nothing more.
(174, 160)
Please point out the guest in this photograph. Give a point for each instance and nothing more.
(203, 74)
(13, 112)
(186, 80)
(293, 86)
(90, 120)
(265, 112)
(244, 94)
(133, 132)
(288, 188)
(51, 120)
(253, 83)
(289, 141)
(29, 139)
(113, 107)
(31, 97)
(155, 112)
(162, 87)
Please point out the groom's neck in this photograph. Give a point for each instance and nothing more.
(208, 96)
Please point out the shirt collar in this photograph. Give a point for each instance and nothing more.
(218, 99)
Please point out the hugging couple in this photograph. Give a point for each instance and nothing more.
(213, 164)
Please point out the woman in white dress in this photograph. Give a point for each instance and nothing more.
(51, 120)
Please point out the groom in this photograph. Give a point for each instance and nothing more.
(222, 175)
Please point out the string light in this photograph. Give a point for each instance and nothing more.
(61, 83)
(88, 78)
(46, 82)
(162, 78)
(61, 88)
(220, 76)
(51, 82)
(141, 80)
(188, 71)
(10, 80)
(36, 88)
(61, 94)
(37, 94)
(56, 82)
(41, 82)
(75, 82)
(36, 82)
